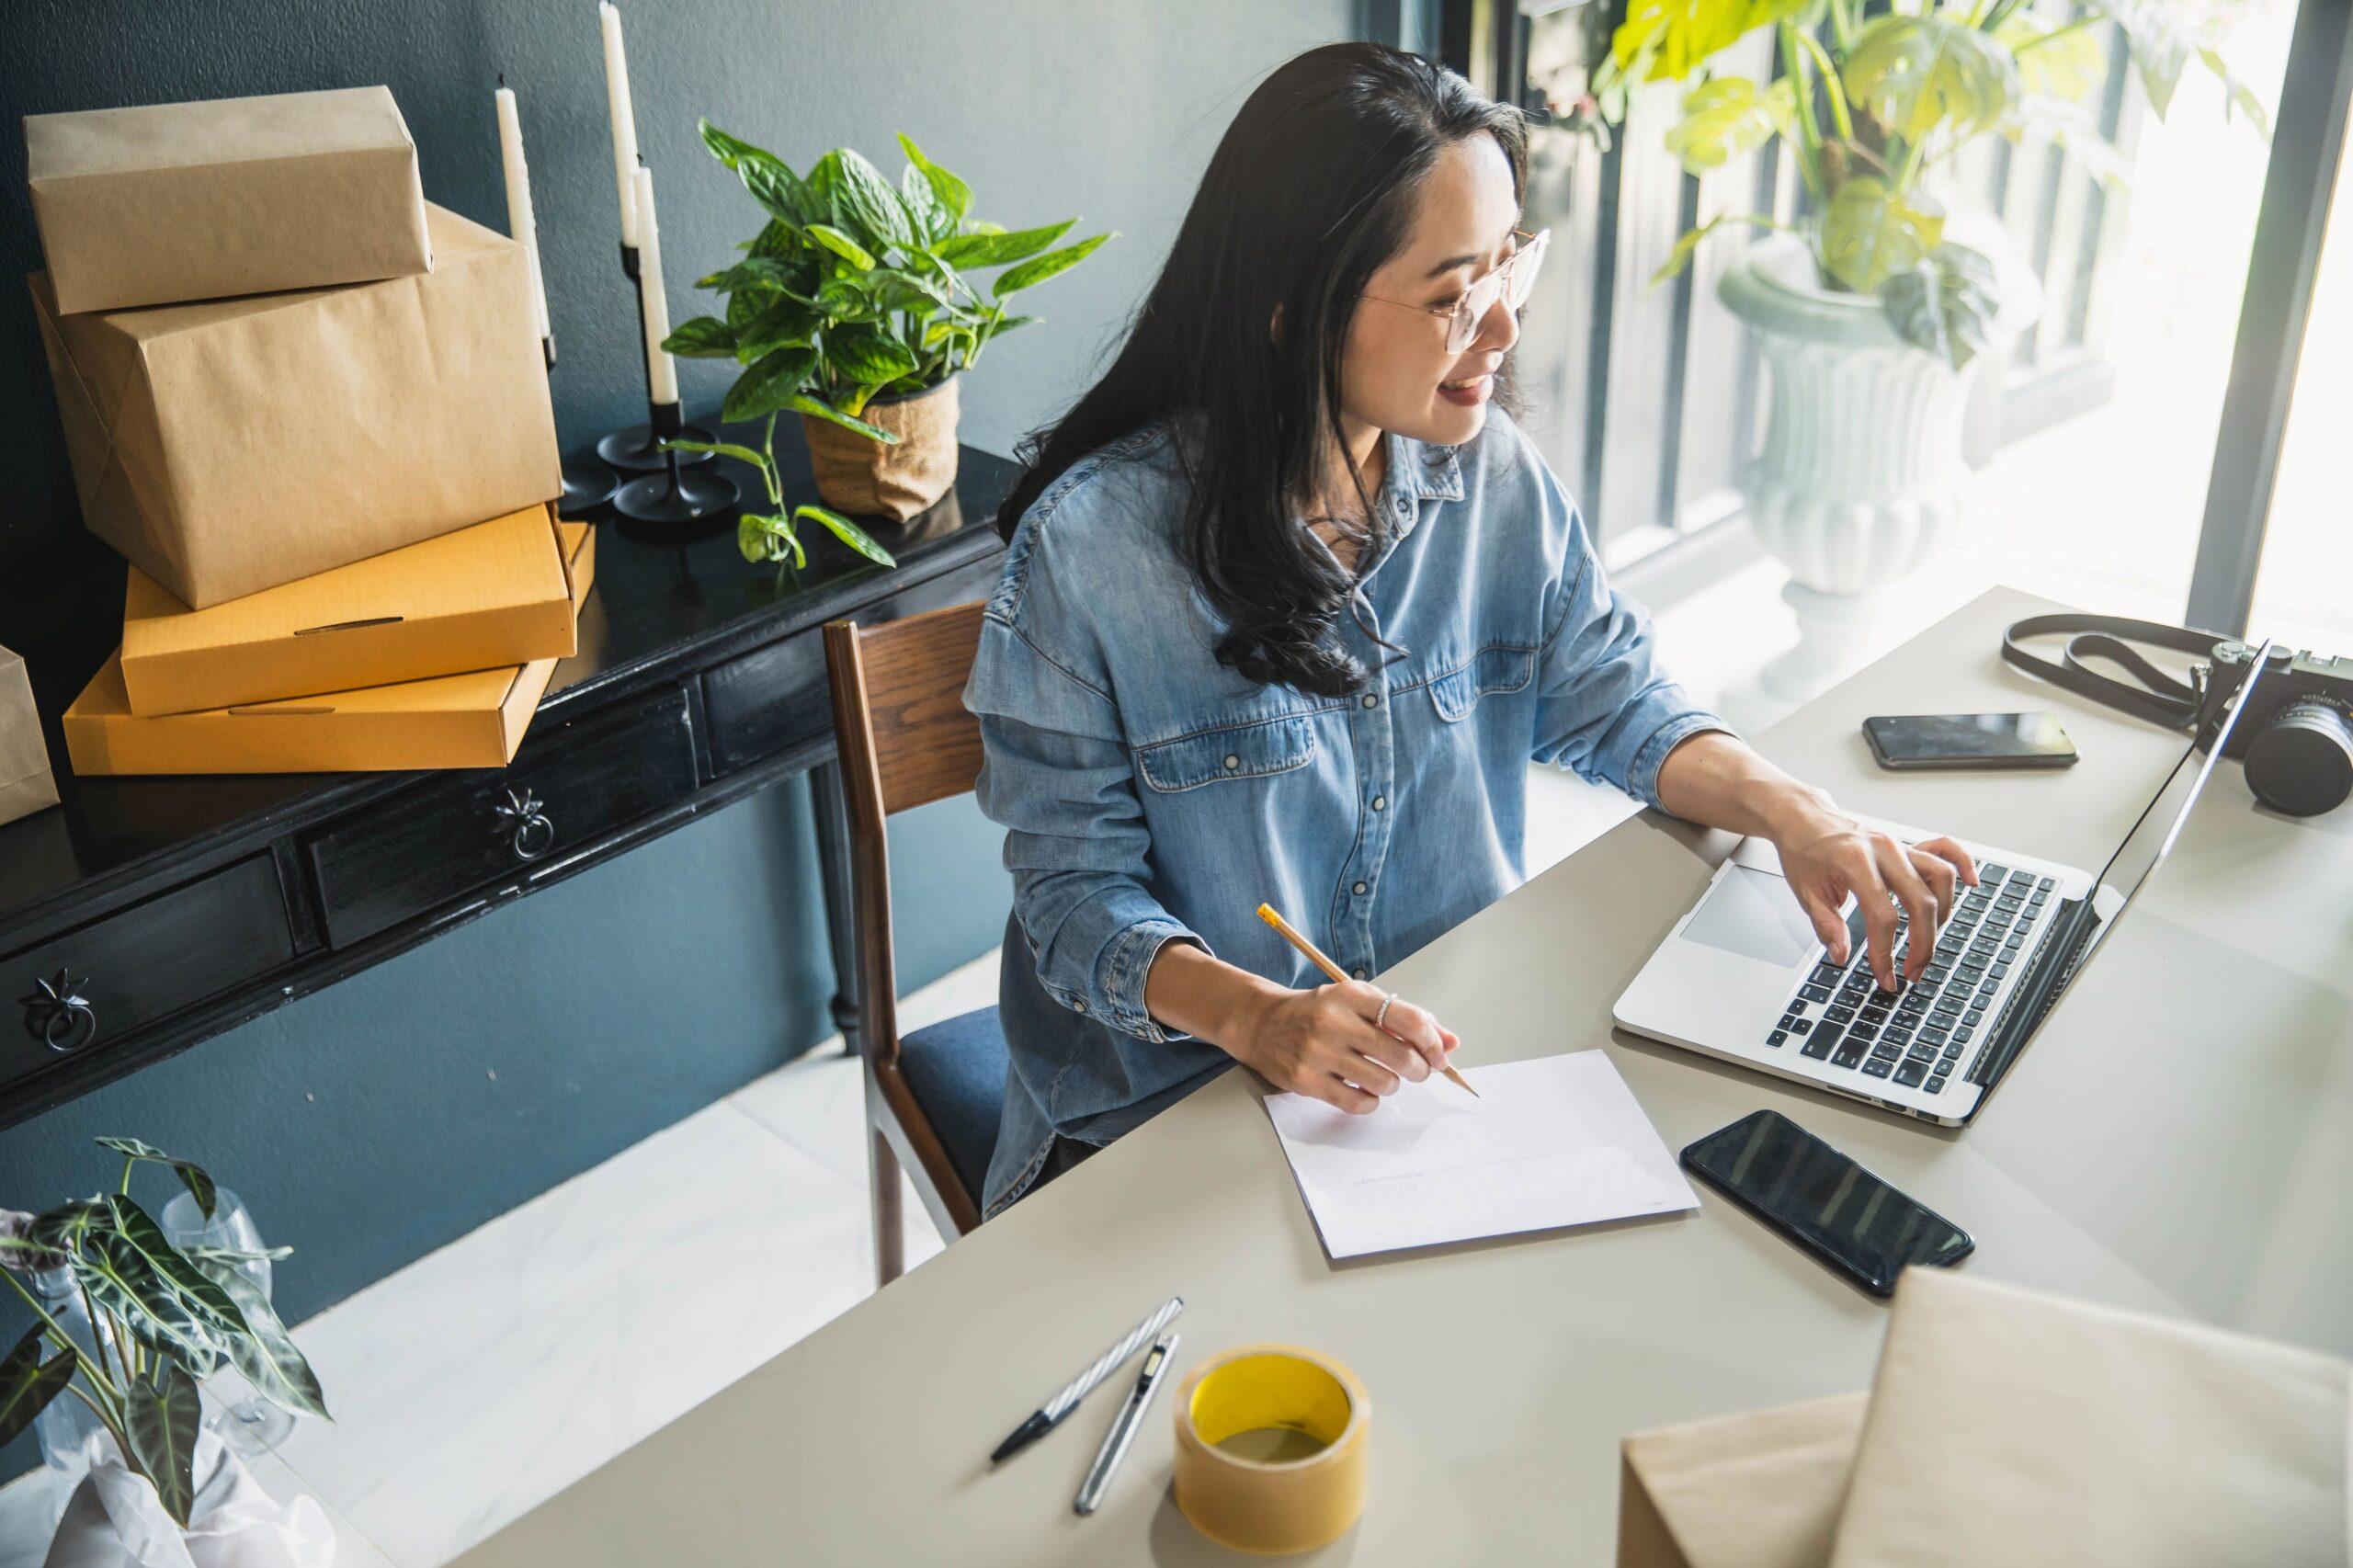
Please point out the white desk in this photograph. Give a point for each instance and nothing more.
(2180, 1139)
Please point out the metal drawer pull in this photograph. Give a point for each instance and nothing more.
(534, 834)
(59, 1015)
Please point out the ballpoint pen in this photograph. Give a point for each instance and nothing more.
(1123, 1427)
(1047, 1417)
(1314, 955)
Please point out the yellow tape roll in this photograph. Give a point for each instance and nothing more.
(1291, 1474)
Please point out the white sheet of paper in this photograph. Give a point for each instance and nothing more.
(1556, 1140)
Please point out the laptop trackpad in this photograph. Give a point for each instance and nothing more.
(1754, 914)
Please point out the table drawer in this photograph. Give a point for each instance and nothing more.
(567, 789)
(92, 987)
(764, 702)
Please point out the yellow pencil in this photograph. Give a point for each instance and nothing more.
(1315, 956)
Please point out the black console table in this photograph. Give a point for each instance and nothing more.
(175, 909)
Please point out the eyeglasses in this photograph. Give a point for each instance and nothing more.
(1512, 282)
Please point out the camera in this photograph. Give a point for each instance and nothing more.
(2296, 735)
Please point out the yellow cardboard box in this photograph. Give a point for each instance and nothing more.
(492, 595)
(474, 720)
(228, 447)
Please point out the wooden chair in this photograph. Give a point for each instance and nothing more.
(932, 1099)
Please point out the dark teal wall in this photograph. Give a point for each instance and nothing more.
(391, 1114)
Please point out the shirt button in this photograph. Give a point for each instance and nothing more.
(1078, 1007)
(1358, 972)
(1232, 763)
(1370, 700)
(1361, 889)
(1381, 803)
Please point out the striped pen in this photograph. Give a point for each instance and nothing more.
(1047, 1417)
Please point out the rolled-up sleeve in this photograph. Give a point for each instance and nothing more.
(1606, 709)
(1057, 775)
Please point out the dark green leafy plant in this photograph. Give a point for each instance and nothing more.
(855, 289)
(164, 1319)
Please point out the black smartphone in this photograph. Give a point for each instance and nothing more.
(1969, 740)
(1823, 1202)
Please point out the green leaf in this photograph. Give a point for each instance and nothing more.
(849, 533)
(1918, 74)
(866, 356)
(892, 289)
(953, 193)
(842, 246)
(2160, 35)
(1688, 244)
(872, 202)
(2236, 94)
(998, 249)
(1037, 270)
(817, 410)
(162, 1420)
(27, 1383)
(2070, 128)
(264, 1352)
(175, 1289)
(933, 222)
(758, 272)
(1945, 303)
(2065, 62)
(192, 1176)
(1725, 119)
(1665, 40)
(777, 240)
(783, 322)
(772, 383)
(703, 337)
(1870, 232)
(64, 1228)
(730, 149)
(725, 449)
(782, 192)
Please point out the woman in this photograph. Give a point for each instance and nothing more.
(1287, 609)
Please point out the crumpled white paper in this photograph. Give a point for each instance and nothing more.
(115, 1521)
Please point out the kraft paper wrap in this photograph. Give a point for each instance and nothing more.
(174, 203)
(1757, 1490)
(1272, 1507)
(25, 785)
(2008, 1427)
(864, 478)
(229, 447)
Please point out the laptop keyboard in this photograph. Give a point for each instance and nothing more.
(1918, 1035)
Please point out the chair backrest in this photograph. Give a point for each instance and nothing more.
(905, 740)
(911, 678)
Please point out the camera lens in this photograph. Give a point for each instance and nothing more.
(2301, 762)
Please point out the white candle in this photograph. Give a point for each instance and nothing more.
(624, 118)
(520, 224)
(660, 370)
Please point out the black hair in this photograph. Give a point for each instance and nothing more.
(1310, 192)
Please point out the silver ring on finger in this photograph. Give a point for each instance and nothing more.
(1381, 1019)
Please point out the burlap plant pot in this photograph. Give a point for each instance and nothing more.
(864, 478)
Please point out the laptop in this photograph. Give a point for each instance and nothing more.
(1743, 977)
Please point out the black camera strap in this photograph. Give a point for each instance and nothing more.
(2160, 697)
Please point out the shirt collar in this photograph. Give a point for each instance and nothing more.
(1424, 473)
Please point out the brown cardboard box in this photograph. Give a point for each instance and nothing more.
(26, 786)
(461, 720)
(2009, 1427)
(491, 594)
(229, 447)
(240, 195)
(1760, 1490)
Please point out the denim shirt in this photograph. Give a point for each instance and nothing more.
(1151, 794)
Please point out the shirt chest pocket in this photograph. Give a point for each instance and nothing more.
(1240, 751)
(1491, 671)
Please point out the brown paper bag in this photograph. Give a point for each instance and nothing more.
(229, 447)
(171, 202)
(26, 786)
(1759, 1490)
(2009, 1427)
(867, 478)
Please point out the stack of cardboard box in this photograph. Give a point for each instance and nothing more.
(311, 410)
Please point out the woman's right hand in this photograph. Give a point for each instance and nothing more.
(1322, 1043)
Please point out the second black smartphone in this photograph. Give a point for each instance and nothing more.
(1823, 1202)
(1969, 740)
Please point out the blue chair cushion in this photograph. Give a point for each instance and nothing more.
(956, 1070)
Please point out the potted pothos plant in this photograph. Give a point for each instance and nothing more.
(856, 306)
(155, 1321)
(1874, 308)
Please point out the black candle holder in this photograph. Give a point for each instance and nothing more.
(637, 449)
(587, 485)
(674, 494)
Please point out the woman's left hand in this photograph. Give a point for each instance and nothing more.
(1826, 855)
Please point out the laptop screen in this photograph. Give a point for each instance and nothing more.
(2129, 869)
